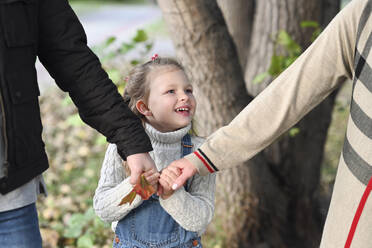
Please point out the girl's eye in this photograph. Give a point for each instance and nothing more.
(170, 91)
(189, 91)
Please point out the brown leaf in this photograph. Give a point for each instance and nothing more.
(128, 198)
(142, 188)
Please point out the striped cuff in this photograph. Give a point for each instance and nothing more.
(206, 161)
(202, 163)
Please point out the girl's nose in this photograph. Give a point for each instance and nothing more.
(184, 97)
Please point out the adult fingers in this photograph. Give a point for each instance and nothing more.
(134, 176)
(139, 163)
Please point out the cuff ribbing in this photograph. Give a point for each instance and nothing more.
(203, 164)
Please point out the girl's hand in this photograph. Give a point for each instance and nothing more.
(152, 176)
(167, 177)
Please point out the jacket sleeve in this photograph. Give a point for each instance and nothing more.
(112, 187)
(311, 78)
(193, 209)
(63, 50)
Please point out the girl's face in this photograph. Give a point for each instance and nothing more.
(171, 103)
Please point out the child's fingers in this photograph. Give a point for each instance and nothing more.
(165, 185)
(168, 178)
(153, 179)
(169, 174)
(175, 170)
(167, 191)
(160, 190)
(150, 172)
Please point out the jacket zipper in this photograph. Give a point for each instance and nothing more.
(6, 163)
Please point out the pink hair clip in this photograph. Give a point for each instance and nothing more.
(155, 56)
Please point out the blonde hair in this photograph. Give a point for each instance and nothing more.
(137, 86)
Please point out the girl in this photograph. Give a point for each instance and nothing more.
(162, 96)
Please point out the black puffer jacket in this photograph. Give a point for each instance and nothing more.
(50, 30)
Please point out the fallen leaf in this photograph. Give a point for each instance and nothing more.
(142, 188)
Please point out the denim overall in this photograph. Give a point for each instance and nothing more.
(150, 226)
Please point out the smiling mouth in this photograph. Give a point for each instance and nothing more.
(183, 110)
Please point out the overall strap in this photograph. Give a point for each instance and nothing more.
(186, 145)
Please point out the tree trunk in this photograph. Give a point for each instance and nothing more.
(239, 20)
(286, 178)
(272, 202)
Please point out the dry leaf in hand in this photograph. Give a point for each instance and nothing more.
(142, 188)
(128, 198)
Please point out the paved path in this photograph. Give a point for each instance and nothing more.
(121, 21)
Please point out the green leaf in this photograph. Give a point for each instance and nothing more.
(276, 66)
(260, 77)
(134, 62)
(77, 220)
(75, 226)
(141, 36)
(294, 131)
(309, 24)
(74, 120)
(285, 40)
(98, 223)
(289, 61)
(85, 241)
(110, 40)
(89, 214)
(73, 232)
(126, 47)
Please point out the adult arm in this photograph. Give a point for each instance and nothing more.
(113, 185)
(64, 52)
(310, 79)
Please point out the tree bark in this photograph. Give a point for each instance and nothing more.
(239, 20)
(273, 202)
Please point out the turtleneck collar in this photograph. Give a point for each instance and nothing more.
(168, 137)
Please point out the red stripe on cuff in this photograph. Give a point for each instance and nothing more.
(204, 162)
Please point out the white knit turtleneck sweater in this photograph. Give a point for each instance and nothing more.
(192, 209)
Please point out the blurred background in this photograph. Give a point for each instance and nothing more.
(231, 50)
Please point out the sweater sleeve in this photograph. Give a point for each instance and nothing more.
(311, 78)
(113, 185)
(193, 209)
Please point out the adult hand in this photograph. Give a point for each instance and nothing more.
(152, 176)
(139, 163)
(187, 170)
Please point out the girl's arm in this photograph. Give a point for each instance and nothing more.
(193, 209)
(113, 185)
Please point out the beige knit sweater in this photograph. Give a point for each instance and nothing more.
(193, 210)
